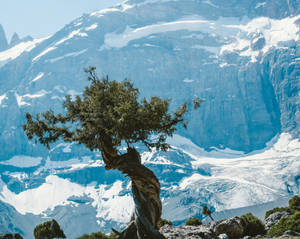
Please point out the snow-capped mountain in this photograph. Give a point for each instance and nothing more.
(241, 57)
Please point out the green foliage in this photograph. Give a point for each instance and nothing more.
(109, 113)
(278, 209)
(294, 203)
(207, 211)
(193, 222)
(98, 235)
(49, 229)
(161, 222)
(290, 223)
(253, 226)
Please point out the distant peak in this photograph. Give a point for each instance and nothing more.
(15, 37)
(3, 40)
(14, 40)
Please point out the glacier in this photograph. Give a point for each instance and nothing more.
(190, 177)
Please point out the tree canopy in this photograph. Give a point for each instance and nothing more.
(108, 112)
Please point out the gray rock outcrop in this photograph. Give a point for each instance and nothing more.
(187, 232)
(274, 218)
(232, 227)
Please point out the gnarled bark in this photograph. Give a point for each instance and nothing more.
(146, 194)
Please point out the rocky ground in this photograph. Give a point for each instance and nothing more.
(203, 232)
(232, 228)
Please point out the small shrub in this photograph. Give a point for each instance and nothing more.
(294, 203)
(278, 209)
(207, 211)
(290, 223)
(161, 222)
(49, 229)
(253, 226)
(193, 222)
(98, 235)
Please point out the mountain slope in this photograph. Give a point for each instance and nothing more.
(168, 49)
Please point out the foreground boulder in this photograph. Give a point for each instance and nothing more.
(11, 236)
(232, 227)
(187, 232)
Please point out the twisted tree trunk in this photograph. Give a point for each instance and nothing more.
(146, 194)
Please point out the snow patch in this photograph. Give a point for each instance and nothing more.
(71, 35)
(260, 4)
(273, 31)
(92, 27)
(246, 179)
(72, 54)
(14, 52)
(208, 2)
(39, 76)
(56, 192)
(214, 50)
(51, 48)
(43, 53)
(22, 161)
(104, 11)
(121, 40)
(21, 99)
(187, 80)
(2, 98)
(19, 176)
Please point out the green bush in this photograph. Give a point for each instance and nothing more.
(253, 226)
(49, 229)
(294, 203)
(290, 223)
(98, 235)
(193, 222)
(278, 209)
(161, 222)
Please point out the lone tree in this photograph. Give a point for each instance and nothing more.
(107, 116)
(206, 211)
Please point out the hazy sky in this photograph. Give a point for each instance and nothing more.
(40, 18)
